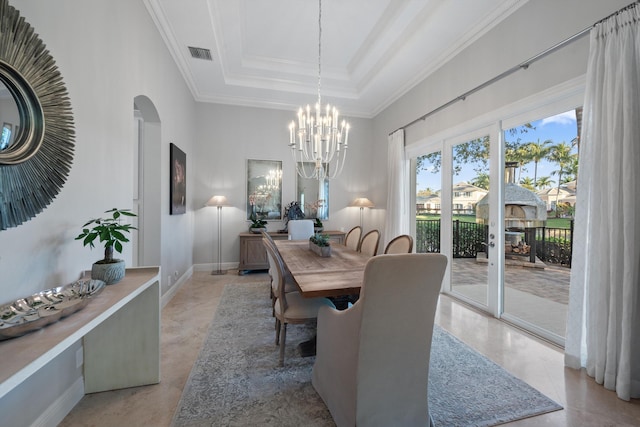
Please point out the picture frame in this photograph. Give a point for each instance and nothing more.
(313, 194)
(264, 189)
(178, 183)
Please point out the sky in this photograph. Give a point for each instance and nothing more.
(558, 128)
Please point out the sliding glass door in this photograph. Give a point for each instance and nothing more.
(499, 202)
(544, 155)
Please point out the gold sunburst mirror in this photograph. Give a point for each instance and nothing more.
(37, 140)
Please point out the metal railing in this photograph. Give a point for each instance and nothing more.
(553, 245)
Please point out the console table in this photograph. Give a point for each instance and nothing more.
(120, 329)
(253, 255)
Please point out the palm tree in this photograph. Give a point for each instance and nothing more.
(481, 181)
(544, 182)
(527, 183)
(561, 155)
(537, 152)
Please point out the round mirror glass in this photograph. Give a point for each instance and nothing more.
(9, 118)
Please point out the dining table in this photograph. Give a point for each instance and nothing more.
(337, 275)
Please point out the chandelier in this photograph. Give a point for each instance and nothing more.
(318, 137)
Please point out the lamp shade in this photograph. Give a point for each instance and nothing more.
(362, 202)
(217, 201)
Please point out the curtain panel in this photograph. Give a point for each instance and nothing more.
(603, 322)
(397, 218)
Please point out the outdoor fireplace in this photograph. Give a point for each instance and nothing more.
(524, 211)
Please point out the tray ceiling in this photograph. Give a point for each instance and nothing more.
(264, 53)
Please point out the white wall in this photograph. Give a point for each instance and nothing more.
(108, 52)
(226, 137)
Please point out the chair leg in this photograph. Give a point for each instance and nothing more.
(282, 344)
(277, 332)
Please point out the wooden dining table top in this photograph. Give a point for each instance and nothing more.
(338, 275)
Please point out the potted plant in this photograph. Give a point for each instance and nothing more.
(317, 225)
(257, 224)
(111, 232)
(319, 244)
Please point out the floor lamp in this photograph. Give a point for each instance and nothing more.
(362, 202)
(218, 202)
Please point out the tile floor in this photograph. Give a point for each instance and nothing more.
(187, 316)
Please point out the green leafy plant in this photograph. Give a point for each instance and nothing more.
(317, 223)
(257, 222)
(320, 239)
(109, 231)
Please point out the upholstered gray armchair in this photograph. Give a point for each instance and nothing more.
(372, 362)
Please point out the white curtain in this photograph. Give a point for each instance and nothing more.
(397, 219)
(603, 326)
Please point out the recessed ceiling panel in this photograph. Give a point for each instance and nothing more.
(265, 52)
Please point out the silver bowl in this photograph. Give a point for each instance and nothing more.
(38, 310)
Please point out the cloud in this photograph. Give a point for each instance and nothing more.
(568, 118)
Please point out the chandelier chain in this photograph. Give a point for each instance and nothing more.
(319, 50)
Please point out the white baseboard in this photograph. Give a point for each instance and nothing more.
(176, 286)
(59, 409)
(214, 266)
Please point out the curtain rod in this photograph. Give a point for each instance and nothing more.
(521, 66)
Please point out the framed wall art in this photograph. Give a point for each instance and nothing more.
(264, 189)
(178, 185)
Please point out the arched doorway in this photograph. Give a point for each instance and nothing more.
(146, 242)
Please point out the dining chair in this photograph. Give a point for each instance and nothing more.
(291, 307)
(289, 283)
(372, 359)
(352, 240)
(369, 243)
(402, 244)
(300, 229)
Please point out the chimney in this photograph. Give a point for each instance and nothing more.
(510, 172)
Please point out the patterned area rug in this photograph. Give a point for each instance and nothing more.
(236, 380)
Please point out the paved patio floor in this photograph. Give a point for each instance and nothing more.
(535, 295)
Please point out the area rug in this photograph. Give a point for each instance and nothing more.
(236, 380)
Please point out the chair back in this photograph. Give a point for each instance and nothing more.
(402, 244)
(369, 243)
(300, 229)
(276, 269)
(352, 240)
(399, 297)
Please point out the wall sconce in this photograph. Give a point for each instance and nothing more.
(218, 202)
(362, 202)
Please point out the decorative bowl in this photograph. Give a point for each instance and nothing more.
(38, 310)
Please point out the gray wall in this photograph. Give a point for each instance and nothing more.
(226, 137)
(108, 52)
(531, 29)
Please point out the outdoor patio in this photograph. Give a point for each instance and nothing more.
(535, 295)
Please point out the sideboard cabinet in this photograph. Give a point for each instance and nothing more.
(253, 255)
